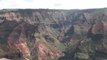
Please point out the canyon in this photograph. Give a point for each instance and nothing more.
(49, 34)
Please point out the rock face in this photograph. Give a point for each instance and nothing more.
(42, 34)
(4, 59)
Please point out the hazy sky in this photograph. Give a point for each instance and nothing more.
(53, 4)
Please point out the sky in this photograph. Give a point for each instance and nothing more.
(52, 4)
